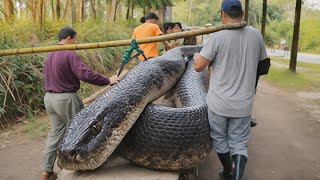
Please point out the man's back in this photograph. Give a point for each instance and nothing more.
(58, 73)
(235, 55)
(63, 71)
(147, 30)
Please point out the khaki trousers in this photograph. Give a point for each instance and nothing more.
(61, 108)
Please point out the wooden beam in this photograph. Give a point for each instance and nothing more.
(127, 42)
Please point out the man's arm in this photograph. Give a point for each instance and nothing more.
(84, 73)
(200, 62)
(168, 45)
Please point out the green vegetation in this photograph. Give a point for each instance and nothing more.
(310, 66)
(280, 25)
(280, 16)
(286, 78)
(36, 128)
(307, 77)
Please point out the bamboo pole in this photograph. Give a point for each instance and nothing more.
(127, 42)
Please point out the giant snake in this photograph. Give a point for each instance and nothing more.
(160, 137)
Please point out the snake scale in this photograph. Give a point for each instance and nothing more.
(151, 135)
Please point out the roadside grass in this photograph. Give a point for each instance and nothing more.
(306, 78)
(37, 126)
(310, 66)
(317, 102)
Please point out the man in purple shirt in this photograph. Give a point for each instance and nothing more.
(63, 71)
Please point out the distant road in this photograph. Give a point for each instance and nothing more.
(302, 57)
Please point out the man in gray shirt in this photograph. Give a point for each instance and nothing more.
(234, 55)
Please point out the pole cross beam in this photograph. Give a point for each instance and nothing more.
(127, 42)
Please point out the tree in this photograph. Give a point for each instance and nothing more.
(81, 10)
(58, 9)
(295, 40)
(8, 10)
(246, 10)
(264, 18)
(113, 10)
(73, 12)
(93, 9)
(41, 12)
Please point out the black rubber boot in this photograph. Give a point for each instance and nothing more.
(253, 124)
(239, 166)
(226, 162)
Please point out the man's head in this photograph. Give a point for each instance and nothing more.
(177, 27)
(67, 35)
(151, 17)
(167, 27)
(231, 10)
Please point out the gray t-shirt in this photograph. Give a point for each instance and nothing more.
(235, 55)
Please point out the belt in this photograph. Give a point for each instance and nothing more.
(60, 92)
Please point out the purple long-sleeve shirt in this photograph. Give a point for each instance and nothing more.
(63, 71)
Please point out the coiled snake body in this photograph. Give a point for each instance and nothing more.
(166, 138)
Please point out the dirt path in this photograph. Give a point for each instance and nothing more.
(284, 146)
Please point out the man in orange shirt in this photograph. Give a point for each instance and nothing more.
(147, 29)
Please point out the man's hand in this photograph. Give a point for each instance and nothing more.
(114, 80)
(200, 63)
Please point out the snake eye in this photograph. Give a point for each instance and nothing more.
(96, 128)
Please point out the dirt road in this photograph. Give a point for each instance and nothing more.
(284, 146)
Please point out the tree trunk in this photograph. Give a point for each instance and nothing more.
(81, 13)
(264, 18)
(73, 13)
(33, 11)
(8, 10)
(41, 12)
(93, 9)
(44, 11)
(58, 9)
(295, 39)
(246, 11)
(99, 9)
(128, 10)
(65, 10)
(53, 10)
(110, 10)
(107, 10)
(113, 10)
(132, 8)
